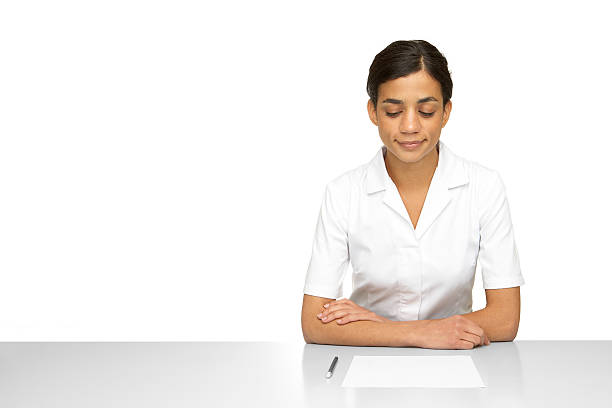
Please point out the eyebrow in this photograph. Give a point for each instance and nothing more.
(400, 102)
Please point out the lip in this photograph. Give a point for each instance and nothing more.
(410, 145)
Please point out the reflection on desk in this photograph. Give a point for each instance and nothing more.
(266, 374)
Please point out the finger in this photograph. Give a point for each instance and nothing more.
(348, 304)
(332, 316)
(353, 317)
(331, 306)
(343, 301)
(464, 344)
(338, 315)
(335, 302)
(327, 305)
(335, 308)
(477, 331)
(472, 338)
(327, 309)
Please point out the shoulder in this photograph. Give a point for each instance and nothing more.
(347, 181)
(483, 177)
(487, 189)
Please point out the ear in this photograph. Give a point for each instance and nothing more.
(447, 111)
(372, 112)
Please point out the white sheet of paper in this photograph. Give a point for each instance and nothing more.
(413, 371)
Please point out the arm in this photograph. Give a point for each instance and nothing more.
(358, 333)
(500, 318)
(498, 257)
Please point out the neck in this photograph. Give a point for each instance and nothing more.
(412, 176)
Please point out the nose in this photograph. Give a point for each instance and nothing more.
(409, 122)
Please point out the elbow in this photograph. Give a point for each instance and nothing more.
(511, 332)
(502, 336)
(508, 331)
(504, 333)
(514, 328)
(307, 332)
(307, 339)
(313, 332)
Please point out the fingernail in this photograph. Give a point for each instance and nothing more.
(319, 315)
(327, 305)
(324, 318)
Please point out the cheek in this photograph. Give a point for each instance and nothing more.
(383, 129)
(386, 126)
(433, 127)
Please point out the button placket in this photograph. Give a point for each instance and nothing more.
(409, 281)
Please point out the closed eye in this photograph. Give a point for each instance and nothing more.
(394, 114)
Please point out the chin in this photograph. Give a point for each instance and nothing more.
(408, 157)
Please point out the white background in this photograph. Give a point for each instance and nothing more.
(162, 163)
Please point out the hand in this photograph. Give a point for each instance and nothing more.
(455, 332)
(347, 311)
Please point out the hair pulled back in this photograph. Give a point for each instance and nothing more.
(401, 58)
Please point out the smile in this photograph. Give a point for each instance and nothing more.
(410, 145)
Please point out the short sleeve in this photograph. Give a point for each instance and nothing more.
(498, 254)
(330, 257)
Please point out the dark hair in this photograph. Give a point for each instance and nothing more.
(402, 58)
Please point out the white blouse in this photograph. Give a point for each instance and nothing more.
(403, 273)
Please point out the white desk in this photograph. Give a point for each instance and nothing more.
(237, 374)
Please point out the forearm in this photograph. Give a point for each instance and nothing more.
(494, 324)
(365, 333)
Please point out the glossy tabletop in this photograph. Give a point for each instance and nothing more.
(266, 374)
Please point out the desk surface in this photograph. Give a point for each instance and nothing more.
(266, 374)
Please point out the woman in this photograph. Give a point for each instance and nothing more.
(413, 222)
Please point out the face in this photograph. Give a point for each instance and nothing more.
(410, 109)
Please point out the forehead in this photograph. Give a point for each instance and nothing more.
(411, 88)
